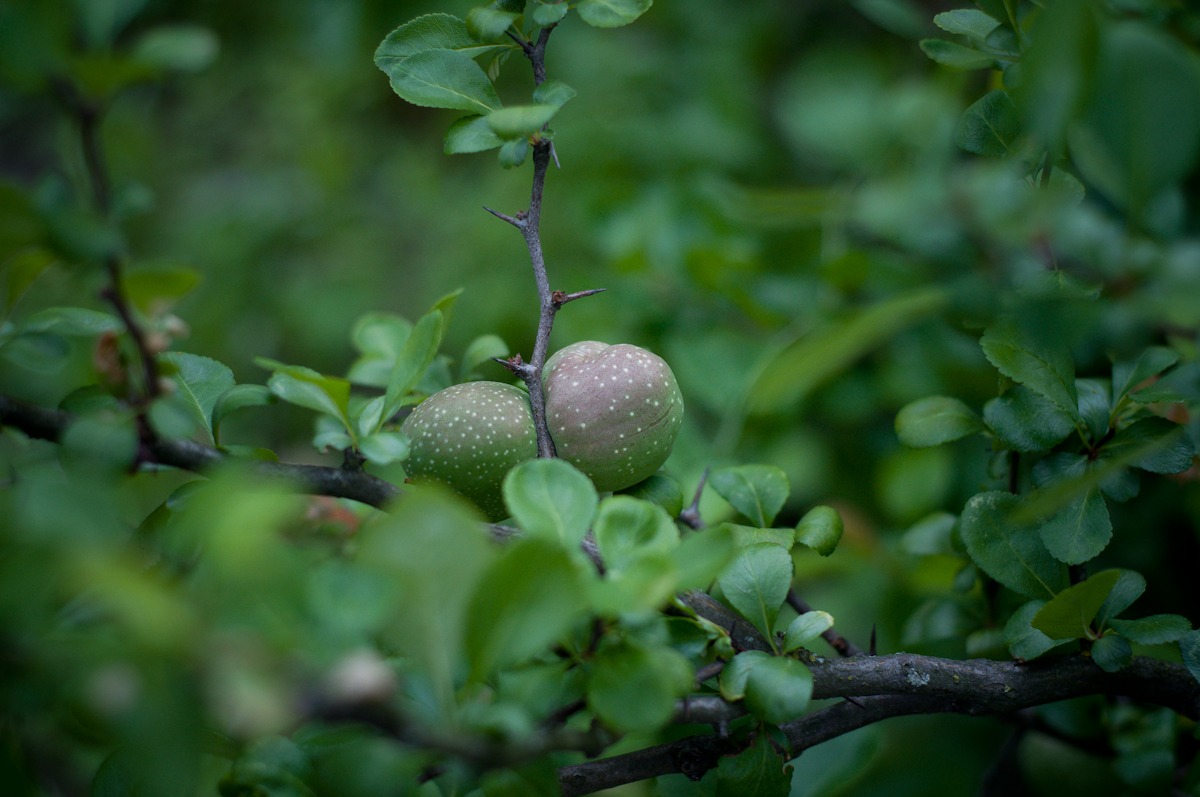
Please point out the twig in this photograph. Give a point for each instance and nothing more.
(691, 515)
(47, 424)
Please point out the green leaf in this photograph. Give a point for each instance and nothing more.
(305, 387)
(1080, 531)
(72, 321)
(1037, 361)
(820, 529)
(553, 92)
(1189, 649)
(1153, 444)
(732, 682)
(485, 24)
(106, 438)
(236, 398)
(626, 529)
(1129, 587)
(778, 689)
(178, 48)
(702, 556)
(660, 490)
(479, 351)
(419, 350)
(1129, 376)
(200, 383)
(1025, 421)
(1011, 553)
(935, 420)
(383, 448)
(757, 491)
(634, 688)
(1024, 641)
(745, 536)
(969, 22)
(1094, 404)
(428, 32)
(803, 366)
(1112, 653)
(547, 14)
(611, 13)
(379, 338)
(471, 134)
(525, 601)
(1069, 614)
(645, 582)
(153, 289)
(1057, 70)
(514, 152)
(757, 771)
(1153, 630)
(518, 121)
(443, 79)
(990, 126)
(756, 584)
(956, 55)
(550, 498)
(805, 628)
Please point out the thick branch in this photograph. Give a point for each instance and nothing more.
(893, 686)
(48, 424)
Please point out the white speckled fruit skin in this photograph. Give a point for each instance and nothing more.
(613, 411)
(467, 437)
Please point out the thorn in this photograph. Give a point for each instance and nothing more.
(558, 298)
(691, 515)
(514, 221)
(554, 154)
(871, 649)
(855, 702)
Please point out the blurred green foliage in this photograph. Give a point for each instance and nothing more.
(795, 204)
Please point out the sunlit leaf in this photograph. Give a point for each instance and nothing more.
(550, 498)
(1069, 614)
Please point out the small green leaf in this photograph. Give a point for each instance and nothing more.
(969, 22)
(200, 383)
(179, 48)
(1080, 531)
(479, 351)
(527, 599)
(1009, 552)
(805, 628)
(1036, 360)
(756, 584)
(552, 499)
(427, 32)
(383, 448)
(553, 92)
(73, 321)
(517, 121)
(1153, 444)
(514, 152)
(1094, 404)
(1129, 376)
(1129, 587)
(935, 420)
(611, 13)
(745, 536)
(1189, 649)
(634, 688)
(443, 79)
(152, 290)
(627, 529)
(1153, 630)
(660, 490)
(471, 134)
(547, 14)
(757, 491)
(758, 771)
(1024, 641)
(419, 350)
(1069, 614)
(305, 387)
(732, 682)
(820, 529)
(1112, 653)
(990, 126)
(485, 24)
(956, 55)
(1025, 421)
(778, 689)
